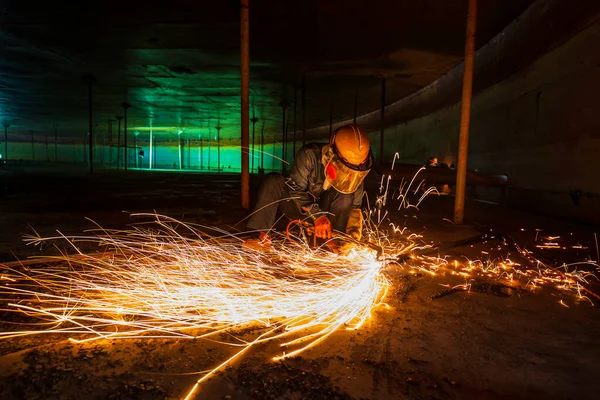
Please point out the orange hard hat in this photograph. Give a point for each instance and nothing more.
(352, 145)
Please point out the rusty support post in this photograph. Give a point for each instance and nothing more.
(245, 101)
(465, 116)
(125, 106)
(381, 134)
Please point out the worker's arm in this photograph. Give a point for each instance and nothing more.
(355, 221)
(302, 169)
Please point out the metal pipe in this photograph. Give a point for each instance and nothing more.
(179, 150)
(189, 166)
(209, 138)
(254, 121)
(200, 161)
(262, 147)
(245, 99)
(465, 117)
(125, 106)
(381, 134)
(110, 142)
(119, 118)
(218, 128)
(135, 149)
(151, 150)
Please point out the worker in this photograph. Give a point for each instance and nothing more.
(325, 187)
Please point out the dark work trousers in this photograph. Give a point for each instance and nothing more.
(272, 198)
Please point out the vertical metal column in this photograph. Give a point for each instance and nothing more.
(209, 139)
(200, 158)
(465, 116)
(125, 106)
(89, 80)
(179, 150)
(135, 152)
(110, 142)
(151, 149)
(382, 120)
(119, 118)
(254, 121)
(262, 147)
(245, 100)
(218, 128)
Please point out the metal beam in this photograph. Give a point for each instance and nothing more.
(245, 100)
(465, 116)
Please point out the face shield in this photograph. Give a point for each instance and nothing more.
(342, 175)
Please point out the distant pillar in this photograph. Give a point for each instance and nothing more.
(245, 98)
(209, 139)
(119, 118)
(125, 106)
(218, 128)
(135, 151)
(200, 158)
(262, 146)
(465, 116)
(151, 150)
(254, 120)
(89, 80)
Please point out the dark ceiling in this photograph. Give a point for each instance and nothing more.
(177, 62)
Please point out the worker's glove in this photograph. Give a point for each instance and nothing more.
(323, 227)
(355, 222)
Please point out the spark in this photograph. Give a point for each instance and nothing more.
(154, 281)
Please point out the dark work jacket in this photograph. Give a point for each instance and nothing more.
(307, 178)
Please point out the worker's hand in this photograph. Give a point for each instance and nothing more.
(323, 227)
(354, 225)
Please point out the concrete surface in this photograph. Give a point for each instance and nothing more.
(494, 342)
